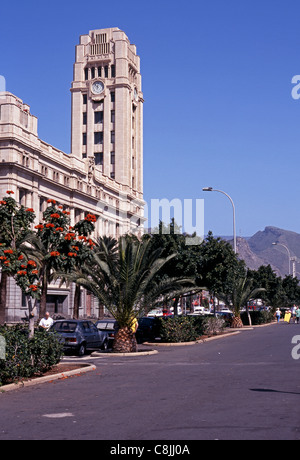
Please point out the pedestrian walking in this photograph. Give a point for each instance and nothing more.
(278, 314)
(298, 315)
(293, 312)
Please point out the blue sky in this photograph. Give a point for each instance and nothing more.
(217, 87)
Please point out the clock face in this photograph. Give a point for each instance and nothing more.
(97, 87)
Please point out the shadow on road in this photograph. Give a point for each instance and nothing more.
(266, 390)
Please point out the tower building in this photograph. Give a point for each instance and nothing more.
(107, 106)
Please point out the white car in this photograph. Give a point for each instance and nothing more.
(199, 311)
(155, 312)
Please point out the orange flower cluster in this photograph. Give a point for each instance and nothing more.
(29, 210)
(91, 218)
(22, 272)
(72, 254)
(55, 216)
(59, 229)
(8, 251)
(49, 225)
(10, 192)
(39, 227)
(51, 201)
(54, 254)
(33, 287)
(32, 263)
(70, 236)
(2, 202)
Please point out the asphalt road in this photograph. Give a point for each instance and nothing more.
(242, 387)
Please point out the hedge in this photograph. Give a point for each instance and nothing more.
(257, 317)
(26, 357)
(189, 328)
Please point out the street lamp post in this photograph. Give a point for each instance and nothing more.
(210, 189)
(288, 251)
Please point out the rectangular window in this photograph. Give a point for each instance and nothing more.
(112, 137)
(98, 117)
(106, 71)
(99, 71)
(93, 72)
(99, 159)
(112, 158)
(86, 73)
(112, 116)
(112, 96)
(84, 118)
(113, 71)
(84, 99)
(84, 139)
(98, 138)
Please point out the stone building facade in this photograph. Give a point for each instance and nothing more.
(103, 174)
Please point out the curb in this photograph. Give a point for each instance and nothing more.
(138, 353)
(181, 344)
(48, 378)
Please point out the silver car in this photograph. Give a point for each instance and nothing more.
(80, 336)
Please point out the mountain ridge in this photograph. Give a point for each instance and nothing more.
(258, 249)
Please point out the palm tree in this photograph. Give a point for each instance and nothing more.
(123, 276)
(241, 292)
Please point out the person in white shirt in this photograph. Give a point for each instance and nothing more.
(46, 322)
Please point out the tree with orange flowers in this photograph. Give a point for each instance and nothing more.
(15, 229)
(57, 248)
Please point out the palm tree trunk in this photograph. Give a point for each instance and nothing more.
(3, 296)
(124, 341)
(237, 322)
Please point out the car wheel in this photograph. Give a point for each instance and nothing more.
(105, 345)
(82, 349)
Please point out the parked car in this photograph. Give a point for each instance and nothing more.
(156, 312)
(199, 311)
(80, 336)
(148, 329)
(108, 327)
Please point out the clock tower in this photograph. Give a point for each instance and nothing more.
(107, 107)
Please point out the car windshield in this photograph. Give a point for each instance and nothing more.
(106, 325)
(145, 321)
(65, 326)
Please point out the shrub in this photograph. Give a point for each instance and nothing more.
(213, 325)
(178, 329)
(26, 357)
(257, 317)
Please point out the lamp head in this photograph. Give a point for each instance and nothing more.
(207, 189)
